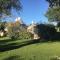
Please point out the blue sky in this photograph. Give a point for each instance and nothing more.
(32, 10)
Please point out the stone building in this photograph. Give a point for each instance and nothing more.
(33, 29)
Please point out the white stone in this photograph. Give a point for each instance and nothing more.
(32, 29)
(1, 34)
(19, 19)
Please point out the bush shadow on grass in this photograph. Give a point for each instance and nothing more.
(13, 58)
(57, 36)
(52, 38)
(4, 41)
(12, 46)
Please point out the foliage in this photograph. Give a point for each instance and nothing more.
(24, 51)
(7, 5)
(16, 30)
(2, 25)
(25, 35)
(13, 31)
(53, 14)
(46, 31)
(53, 2)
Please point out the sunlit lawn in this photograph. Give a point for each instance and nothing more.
(36, 51)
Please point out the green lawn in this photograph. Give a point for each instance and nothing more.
(27, 50)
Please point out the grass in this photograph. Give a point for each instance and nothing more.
(28, 50)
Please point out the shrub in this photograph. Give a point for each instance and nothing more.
(13, 32)
(46, 31)
(18, 31)
(25, 35)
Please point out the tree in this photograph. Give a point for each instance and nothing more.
(16, 30)
(2, 26)
(13, 30)
(46, 31)
(53, 3)
(7, 5)
(53, 12)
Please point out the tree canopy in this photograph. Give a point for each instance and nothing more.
(53, 2)
(7, 5)
(53, 12)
